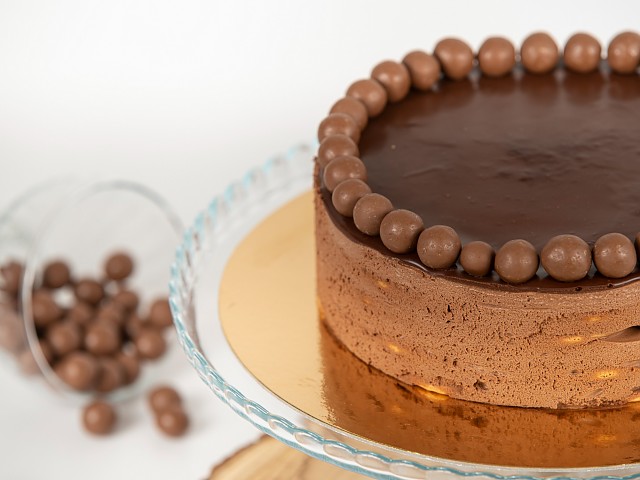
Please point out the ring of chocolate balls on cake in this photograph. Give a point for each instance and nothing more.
(566, 258)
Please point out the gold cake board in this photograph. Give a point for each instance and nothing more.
(268, 311)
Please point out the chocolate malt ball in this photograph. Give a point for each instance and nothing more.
(160, 313)
(128, 300)
(539, 53)
(102, 338)
(118, 266)
(354, 108)
(438, 246)
(172, 422)
(477, 258)
(164, 398)
(336, 146)
(424, 69)
(150, 343)
(614, 255)
(582, 53)
(371, 93)
(44, 309)
(347, 193)
(99, 418)
(56, 274)
(369, 212)
(395, 79)
(339, 124)
(64, 337)
(400, 229)
(341, 169)
(455, 57)
(566, 258)
(623, 54)
(89, 291)
(516, 261)
(79, 370)
(496, 57)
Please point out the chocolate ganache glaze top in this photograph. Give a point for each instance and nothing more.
(521, 156)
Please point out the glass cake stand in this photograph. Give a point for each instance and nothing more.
(215, 351)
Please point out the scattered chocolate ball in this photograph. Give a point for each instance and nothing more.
(496, 57)
(118, 266)
(160, 313)
(539, 53)
(516, 261)
(102, 338)
(623, 54)
(438, 246)
(566, 258)
(11, 277)
(111, 376)
(369, 211)
(173, 422)
(64, 338)
(80, 313)
(79, 370)
(339, 124)
(455, 57)
(336, 146)
(44, 309)
(130, 366)
(614, 255)
(395, 79)
(89, 291)
(477, 258)
(99, 418)
(424, 69)
(354, 108)
(127, 300)
(164, 398)
(341, 169)
(56, 274)
(347, 193)
(371, 94)
(582, 53)
(399, 230)
(150, 343)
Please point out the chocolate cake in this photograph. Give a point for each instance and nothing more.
(476, 217)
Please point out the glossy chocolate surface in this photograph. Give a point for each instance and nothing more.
(524, 156)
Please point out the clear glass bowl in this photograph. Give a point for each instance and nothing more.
(82, 221)
(195, 277)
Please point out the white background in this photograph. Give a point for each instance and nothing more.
(185, 96)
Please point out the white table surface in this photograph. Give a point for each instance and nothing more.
(185, 96)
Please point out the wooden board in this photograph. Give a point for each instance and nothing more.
(269, 459)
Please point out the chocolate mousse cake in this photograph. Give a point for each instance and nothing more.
(476, 217)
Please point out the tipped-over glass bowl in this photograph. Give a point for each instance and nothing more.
(80, 222)
(195, 278)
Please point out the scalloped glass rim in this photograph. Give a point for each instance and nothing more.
(231, 215)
